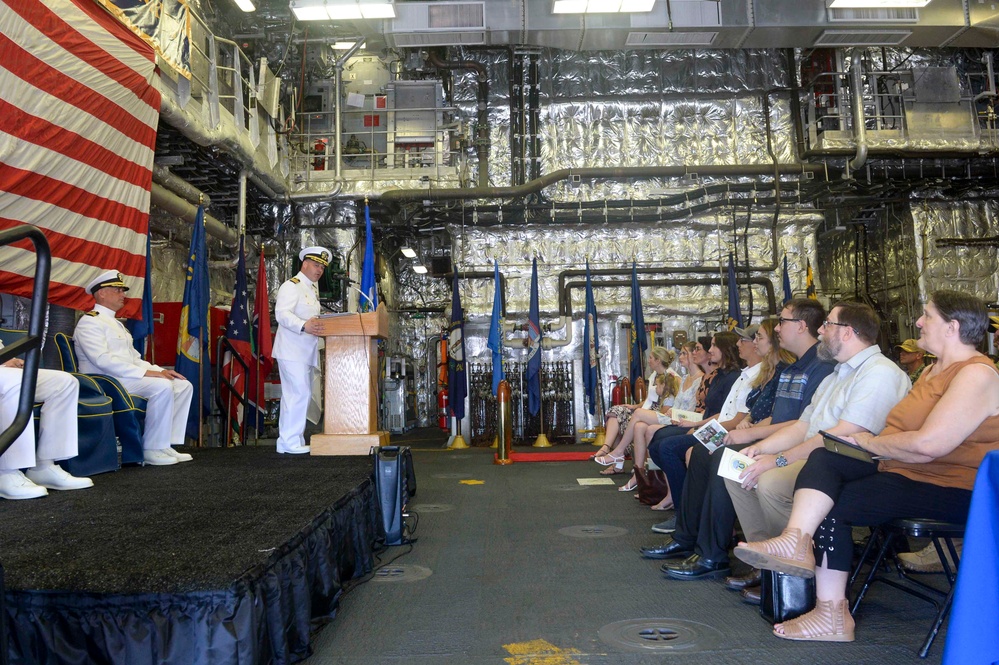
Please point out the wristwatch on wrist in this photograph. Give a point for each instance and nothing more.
(781, 460)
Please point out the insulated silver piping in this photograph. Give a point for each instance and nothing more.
(857, 101)
(179, 186)
(163, 198)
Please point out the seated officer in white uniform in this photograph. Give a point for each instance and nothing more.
(57, 436)
(104, 346)
(296, 346)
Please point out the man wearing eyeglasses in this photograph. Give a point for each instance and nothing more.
(857, 396)
(104, 346)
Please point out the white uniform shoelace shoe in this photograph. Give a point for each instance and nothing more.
(55, 477)
(180, 457)
(158, 457)
(15, 485)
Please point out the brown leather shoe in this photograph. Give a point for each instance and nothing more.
(751, 579)
(751, 595)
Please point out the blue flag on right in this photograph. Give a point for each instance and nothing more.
(786, 282)
(734, 313)
(534, 347)
(591, 347)
(192, 345)
(495, 343)
(639, 337)
(368, 302)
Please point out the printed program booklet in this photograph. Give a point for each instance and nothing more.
(690, 416)
(733, 463)
(710, 434)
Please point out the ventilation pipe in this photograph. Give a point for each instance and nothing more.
(857, 102)
(179, 186)
(482, 115)
(163, 198)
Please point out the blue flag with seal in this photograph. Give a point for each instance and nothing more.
(495, 342)
(734, 313)
(142, 327)
(639, 338)
(457, 378)
(786, 282)
(192, 344)
(368, 301)
(534, 347)
(591, 347)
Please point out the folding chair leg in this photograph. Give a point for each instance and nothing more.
(937, 623)
(875, 565)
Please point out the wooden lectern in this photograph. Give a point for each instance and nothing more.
(350, 420)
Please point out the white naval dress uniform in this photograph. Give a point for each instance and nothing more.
(104, 346)
(57, 435)
(297, 353)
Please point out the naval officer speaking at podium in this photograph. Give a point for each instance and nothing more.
(296, 346)
(104, 346)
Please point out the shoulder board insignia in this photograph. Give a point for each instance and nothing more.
(92, 313)
(294, 280)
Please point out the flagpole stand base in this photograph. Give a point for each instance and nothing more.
(502, 462)
(495, 443)
(600, 440)
(457, 442)
(541, 442)
(347, 444)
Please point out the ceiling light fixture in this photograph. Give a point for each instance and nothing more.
(601, 6)
(245, 5)
(408, 252)
(341, 10)
(420, 269)
(875, 4)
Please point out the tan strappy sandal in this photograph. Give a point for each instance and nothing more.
(830, 621)
(790, 552)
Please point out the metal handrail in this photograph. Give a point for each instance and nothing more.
(223, 381)
(31, 344)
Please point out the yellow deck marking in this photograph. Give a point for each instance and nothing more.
(472, 482)
(539, 652)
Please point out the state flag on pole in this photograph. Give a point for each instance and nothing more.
(809, 281)
(639, 338)
(591, 347)
(786, 281)
(495, 342)
(237, 331)
(142, 327)
(262, 343)
(457, 377)
(734, 311)
(534, 347)
(368, 301)
(192, 344)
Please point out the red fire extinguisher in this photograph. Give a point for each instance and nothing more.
(617, 393)
(442, 416)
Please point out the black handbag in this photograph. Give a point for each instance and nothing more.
(784, 597)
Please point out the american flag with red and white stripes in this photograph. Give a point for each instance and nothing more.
(78, 117)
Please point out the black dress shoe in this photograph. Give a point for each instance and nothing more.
(696, 568)
(749, 580)
(671, 549)
(751, 595)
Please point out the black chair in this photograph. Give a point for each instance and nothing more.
(884, 538)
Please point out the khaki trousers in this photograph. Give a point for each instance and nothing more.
(764, 512)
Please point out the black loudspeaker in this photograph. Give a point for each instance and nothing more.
(395, 483)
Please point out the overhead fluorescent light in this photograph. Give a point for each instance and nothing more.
(875, 4)
(245, 5)
(408, 252)
(341, 10)
(601, 6)
(420, 269)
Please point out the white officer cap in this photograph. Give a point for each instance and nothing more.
(320, 255)
(108, 278)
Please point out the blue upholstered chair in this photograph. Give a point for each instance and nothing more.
(129, 411)
(97, 450)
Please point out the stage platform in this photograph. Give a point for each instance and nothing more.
(232, 558)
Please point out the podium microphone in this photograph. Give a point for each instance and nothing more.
(365, 296)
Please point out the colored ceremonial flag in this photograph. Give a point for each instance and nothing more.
(734, 312)
(262, 343)
(786, 281)
(237, 332)
(457, 378)
(495, 342)
(142, 327)
(591, 347)
(368, 300)
(534, 347)
(192, 344)
(639, 338)
(80, 110)
(809, 281)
